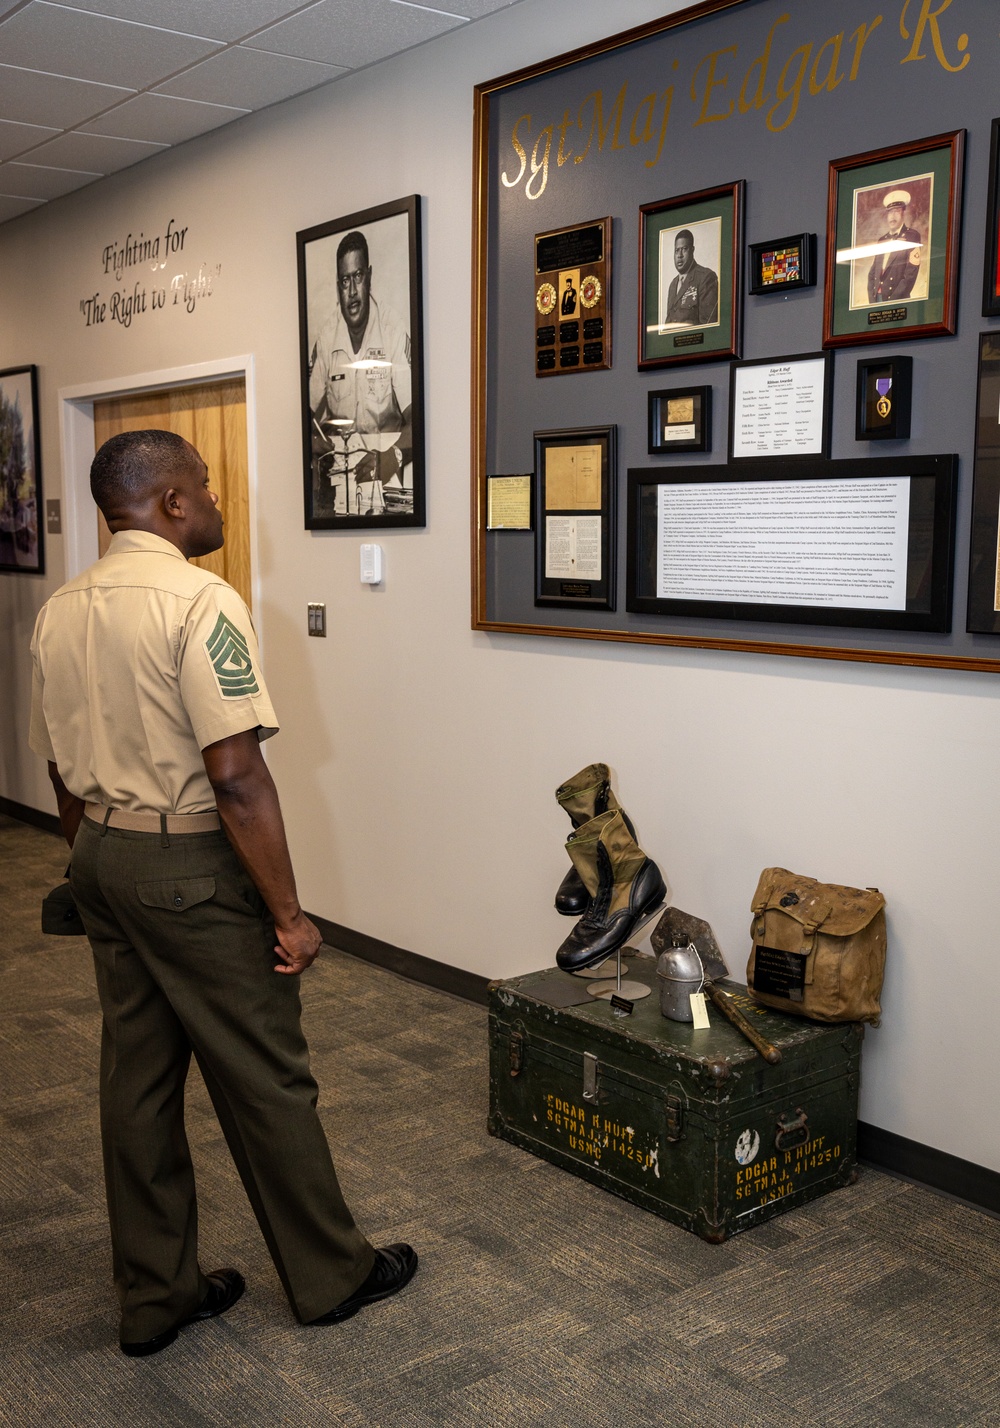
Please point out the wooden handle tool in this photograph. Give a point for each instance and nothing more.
(731, 1011)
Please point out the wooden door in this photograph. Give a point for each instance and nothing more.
(213, 418)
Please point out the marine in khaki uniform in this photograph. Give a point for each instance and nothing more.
(149, 704)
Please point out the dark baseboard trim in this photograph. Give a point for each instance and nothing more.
(411, 965)
(34, 816)
(973, 1184)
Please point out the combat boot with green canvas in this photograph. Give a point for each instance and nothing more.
(623, 885)
(583, 796)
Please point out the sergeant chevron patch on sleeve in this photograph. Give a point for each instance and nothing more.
(230, 657)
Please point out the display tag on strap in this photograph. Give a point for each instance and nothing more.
(699, 1011)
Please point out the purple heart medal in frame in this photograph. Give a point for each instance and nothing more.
(884, 399)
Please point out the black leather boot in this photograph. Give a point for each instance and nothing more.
(624, 886)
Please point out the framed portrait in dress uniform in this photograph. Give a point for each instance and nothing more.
(893, 225)
(22, 547)
(362, 369)
(690, 248)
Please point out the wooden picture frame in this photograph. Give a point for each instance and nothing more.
(892, 266)
(575, 509)
(691, 313)
(782, 264)
(22, 529)
(679, 420)
(360, 329)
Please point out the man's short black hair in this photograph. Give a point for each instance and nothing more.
(126, 465)
(353, 243)
(684, 233)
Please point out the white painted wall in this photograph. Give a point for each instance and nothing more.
(418, 758)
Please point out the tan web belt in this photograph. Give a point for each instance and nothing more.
(152, 822)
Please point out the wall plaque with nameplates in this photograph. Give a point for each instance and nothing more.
(573, 299)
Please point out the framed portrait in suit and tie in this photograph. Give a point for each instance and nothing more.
(690, 281)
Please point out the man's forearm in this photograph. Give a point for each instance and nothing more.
(251, 816)
(70, 807)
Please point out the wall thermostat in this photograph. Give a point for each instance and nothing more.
(371, 564)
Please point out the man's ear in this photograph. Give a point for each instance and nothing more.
(173, 504)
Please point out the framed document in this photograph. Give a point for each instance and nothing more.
(680, 420)
(22, 538)
(689, 277)
(893, 224)
(575, 480)
(783, 263)
(573, 299)
(867, 544)
(984, 547)
(508, 503)
(991, 268)
(781, 407)
(884, 388)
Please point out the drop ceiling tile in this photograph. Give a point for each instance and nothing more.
(92, 153)
(31, 181)
(159, 119)
(27, 97)
(249, 79)
(471, 9)
(217, 20)
(93, 47)
(15, 138)
(352, 32)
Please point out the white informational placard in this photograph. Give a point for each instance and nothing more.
(841, 543)
(572, 547)
(778, 408)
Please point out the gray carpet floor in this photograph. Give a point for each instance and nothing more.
(540, 1300)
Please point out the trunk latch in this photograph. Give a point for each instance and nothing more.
(675, 1118)
(589, 1076)
(516, 1053)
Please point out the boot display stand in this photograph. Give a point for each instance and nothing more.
(631, 990)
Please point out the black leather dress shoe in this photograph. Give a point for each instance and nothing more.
(597, 935)
(394, 1267)
(225, 1286)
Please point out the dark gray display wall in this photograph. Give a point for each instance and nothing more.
(871, 77)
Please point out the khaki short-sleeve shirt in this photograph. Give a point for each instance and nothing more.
(138, 665)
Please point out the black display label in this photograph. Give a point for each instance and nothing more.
(575, 590)
(779, 974)
(689, 339)
(572, 249)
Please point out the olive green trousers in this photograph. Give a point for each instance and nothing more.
(184, 953)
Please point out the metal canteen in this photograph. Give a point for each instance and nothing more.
(680, 972)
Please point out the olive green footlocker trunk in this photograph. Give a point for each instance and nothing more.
(693, 1125)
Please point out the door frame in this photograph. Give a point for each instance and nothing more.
(76, 413)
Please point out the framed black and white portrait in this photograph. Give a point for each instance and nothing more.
(362, 370)
(21, 538)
